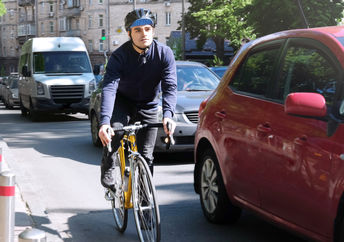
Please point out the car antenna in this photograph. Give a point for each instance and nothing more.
(303, 14)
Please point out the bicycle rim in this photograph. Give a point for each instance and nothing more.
(119, 212)
(146, 208)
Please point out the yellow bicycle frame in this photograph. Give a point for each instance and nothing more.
(132, 140)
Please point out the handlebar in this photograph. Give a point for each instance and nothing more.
(169, 140)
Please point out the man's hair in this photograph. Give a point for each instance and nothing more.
(139, 17)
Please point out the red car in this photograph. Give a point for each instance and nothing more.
(270, 138)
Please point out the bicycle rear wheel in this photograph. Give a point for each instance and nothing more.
(118, 201)
(146, 208)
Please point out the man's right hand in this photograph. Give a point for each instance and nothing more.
(104, 132)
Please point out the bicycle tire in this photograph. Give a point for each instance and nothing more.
(118, 199)
(146, 208)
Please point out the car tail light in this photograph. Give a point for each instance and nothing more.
(202, 106)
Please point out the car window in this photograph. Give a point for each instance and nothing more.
(195, 78)
(255, 73)
(307, 69)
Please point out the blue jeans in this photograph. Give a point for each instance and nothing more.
(128, 112)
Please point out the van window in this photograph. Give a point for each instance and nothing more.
(61, 62)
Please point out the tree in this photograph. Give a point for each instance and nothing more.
(269, 16)
(218, 20)
(2, 8)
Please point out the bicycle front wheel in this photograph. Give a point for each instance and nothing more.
(118, 199)
(146, 208)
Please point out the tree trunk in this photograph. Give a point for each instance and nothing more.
(220, 48)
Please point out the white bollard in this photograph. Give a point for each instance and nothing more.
(32, 235)
(7, 209)
(1, 161)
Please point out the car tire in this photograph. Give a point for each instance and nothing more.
(215, 203)
(94, 131)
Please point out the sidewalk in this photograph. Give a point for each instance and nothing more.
(23, 219)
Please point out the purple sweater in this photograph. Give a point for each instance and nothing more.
(140, 78)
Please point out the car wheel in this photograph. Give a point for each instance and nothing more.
(215, 203)
(94, 131)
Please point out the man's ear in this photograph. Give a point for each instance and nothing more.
(128, 33)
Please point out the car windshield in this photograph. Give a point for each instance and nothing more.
(61, 62)
(14, 84)
(195, 78)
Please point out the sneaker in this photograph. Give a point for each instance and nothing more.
(106, 178)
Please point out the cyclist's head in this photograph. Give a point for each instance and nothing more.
(140, 25)
(139, 17)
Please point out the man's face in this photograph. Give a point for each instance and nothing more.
(142, 36)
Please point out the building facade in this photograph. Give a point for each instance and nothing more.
(87, 19)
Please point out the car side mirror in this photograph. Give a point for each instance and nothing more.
(305, 104)
(310, 105)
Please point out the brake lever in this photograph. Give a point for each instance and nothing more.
(109, 144)
(169, 140)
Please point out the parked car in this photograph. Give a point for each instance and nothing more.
(195, 82)
(3, 84)
(219, 70)
(270, 137)
(10, 91)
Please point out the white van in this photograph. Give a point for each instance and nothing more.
(55, 76)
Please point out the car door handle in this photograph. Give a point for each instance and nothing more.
(300, 140)
(220, 114)
(265, 128)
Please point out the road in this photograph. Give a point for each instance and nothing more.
(57, 171)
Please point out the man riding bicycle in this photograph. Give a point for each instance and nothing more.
(135, 74)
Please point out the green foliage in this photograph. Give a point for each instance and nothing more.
(2, 8)
(217, 61)
(218, 20)
(269, 16)
(176, 45)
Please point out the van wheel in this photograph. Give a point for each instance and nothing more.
(23, 110)
(33, 115)
(215, 203)
(94, 131)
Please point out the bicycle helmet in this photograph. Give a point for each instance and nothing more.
(139, 17)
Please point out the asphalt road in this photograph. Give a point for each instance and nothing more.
(57, 171)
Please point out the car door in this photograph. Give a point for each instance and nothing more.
(297, 155)
(241, 112)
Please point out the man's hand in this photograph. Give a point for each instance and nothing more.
(173, 126)
(104, 132)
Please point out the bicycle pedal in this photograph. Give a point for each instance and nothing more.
(108, 196)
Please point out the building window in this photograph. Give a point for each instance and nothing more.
(51, 27)
(89, 2)
(89, 21)
(42, 6)
(168, 18)
(4, 51)
(42, 27)
(62, 24)
(51, 7)
(77, 23)
(101, 45)
(90, 45)
(101, 20)
(100, 1)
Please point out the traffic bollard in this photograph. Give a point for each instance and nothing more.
(32, 235)
(7, 209)
(1, 161)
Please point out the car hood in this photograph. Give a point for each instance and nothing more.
(190, 100)
(64, 79)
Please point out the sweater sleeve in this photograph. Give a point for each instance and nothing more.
(110, 85)
(169, 84)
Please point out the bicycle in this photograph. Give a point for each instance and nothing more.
(134, 187)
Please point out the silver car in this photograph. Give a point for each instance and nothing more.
(195, 83)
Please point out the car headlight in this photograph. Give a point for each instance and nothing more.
(14, 95)
(92, 86)
(40, 88)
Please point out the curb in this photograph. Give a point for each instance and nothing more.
(23, 219)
